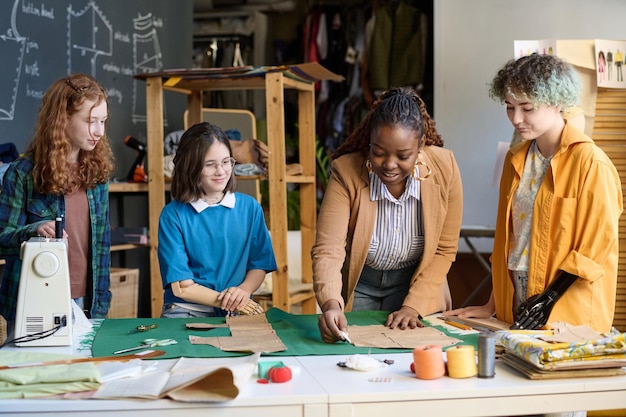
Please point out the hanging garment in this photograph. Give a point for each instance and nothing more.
(395, 55)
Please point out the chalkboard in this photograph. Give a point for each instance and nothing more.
(44, 40)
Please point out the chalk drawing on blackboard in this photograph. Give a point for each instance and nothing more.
(147, 57)
(12, 47)
(84, 49)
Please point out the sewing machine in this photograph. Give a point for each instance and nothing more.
(44, 299)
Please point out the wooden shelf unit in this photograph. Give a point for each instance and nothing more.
(128, 187)
(192, 84)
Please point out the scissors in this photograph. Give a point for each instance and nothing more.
(148, 343)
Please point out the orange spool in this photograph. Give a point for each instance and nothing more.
(428, 362)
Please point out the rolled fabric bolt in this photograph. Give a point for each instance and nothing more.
(428, 362)
(461, 361)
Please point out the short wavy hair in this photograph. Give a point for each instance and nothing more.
(542, 79)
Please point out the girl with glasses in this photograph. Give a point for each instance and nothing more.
(214, 246)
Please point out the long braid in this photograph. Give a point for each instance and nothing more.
(433, 138)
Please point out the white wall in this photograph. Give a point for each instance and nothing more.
(473, 39)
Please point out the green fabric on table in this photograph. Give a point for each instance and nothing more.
(298, 332)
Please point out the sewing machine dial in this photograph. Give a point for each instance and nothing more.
(46, 264)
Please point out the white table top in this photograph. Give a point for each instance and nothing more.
(291, 397)
(508, 393)
(320, 388)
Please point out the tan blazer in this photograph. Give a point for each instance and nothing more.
(346, 223)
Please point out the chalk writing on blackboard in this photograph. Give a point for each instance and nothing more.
(89, 21)
(112, 40)
(147, 58)
(12, 50)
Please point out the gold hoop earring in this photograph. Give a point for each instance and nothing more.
(368, 165)
(416, 171)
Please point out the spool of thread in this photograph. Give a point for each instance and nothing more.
(58, 228)
(461, 361)
(486, 355)
(428, 362)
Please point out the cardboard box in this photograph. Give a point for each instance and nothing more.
(125, 288)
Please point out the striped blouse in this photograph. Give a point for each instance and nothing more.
(398, 237)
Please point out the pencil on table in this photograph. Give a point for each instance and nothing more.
(458, 325)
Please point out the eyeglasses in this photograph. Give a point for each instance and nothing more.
(227, 165)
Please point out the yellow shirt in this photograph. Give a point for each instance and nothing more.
(574, 228)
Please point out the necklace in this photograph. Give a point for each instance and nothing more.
(213, 200)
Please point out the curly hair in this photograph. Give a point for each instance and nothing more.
(189, 161)
(50, 146)
(397, 107)
(542, 79)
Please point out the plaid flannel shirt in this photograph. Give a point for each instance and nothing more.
(22, 210)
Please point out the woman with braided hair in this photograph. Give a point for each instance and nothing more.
(389, 224)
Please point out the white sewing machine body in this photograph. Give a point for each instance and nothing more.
(44, 297)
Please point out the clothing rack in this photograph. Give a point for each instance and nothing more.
(224, 38)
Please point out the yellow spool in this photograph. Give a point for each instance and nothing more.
(461, 362)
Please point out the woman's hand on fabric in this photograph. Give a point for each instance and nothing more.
(404, 318)
(331, 323)
(484, 311)
(478, 312)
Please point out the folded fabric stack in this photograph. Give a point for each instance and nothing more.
(43, 381)
(564, 348)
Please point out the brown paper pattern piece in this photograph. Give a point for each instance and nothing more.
(216, 386)
(380, 336)
(248, 334)
(247, 322)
